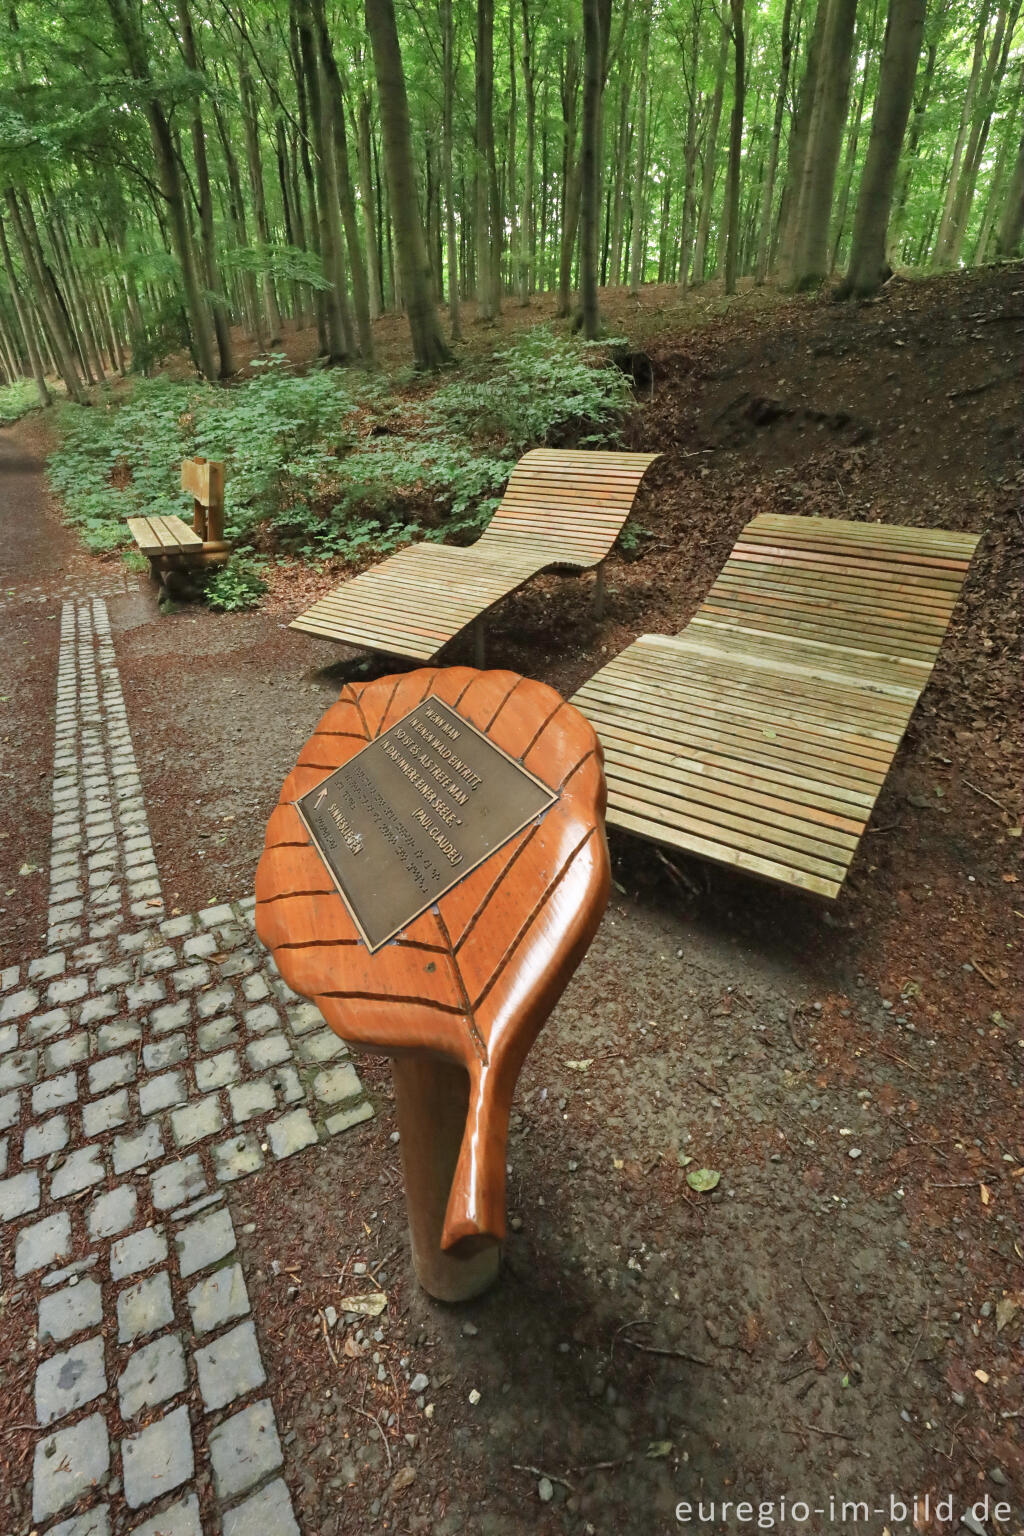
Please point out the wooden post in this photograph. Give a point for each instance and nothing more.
(598, 603)
(199, 522)
(432, 1097)
(215, 505)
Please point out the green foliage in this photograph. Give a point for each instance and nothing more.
(235, 586)
(542, 389)
(16, 399)
(331, 464)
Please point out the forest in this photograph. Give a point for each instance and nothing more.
(195, 174)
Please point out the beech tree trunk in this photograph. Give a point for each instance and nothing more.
(992, 80)
(904, 30)
(596, 22)
(488, 259)
(570, 176)
(221, 324)
(637, 253)
(428, 344)
(528, 220)
(25, 321)
(343, 183)
(710, 163)
(732, 184)
(768, 198)
(943, 239)
(1011, 226)
(810, 263)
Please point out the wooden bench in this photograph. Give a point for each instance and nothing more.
(761, 736)
(560, 509)
(169, 543)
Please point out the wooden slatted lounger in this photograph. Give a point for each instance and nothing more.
(560, 508)
(761, 736)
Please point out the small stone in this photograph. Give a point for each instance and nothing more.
(112, 1212)
(67, 1312)
(153, 1374)
(470, 1330)
(291, 1133)
(42, 1244)
(268, 1051)
(229, 1367)
(139, 1250)
(45, 1137)
(545, 1490)
(219, 1298)
(158, 1459)
(144, 1307)
(67, 1464)
(112, 1072)
(474, 1397)
(204, 1241)
(69, 1380)
(419, 1384)
(244, 1449)
(218, 1072)
(166, 1052)
(54, 1093)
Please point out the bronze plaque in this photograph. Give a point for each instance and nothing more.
(414, 812)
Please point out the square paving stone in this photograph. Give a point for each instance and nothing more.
(112, 1072)
(202, 1118)
(68, 1380)
(19, 1003)
(180, 1519)
(113, 1211)
(338, 1085)
(10, 1109)
(218, 1033)
(135, 1151)
(244, 1449)
(8, 1038)
(218, 1071)
(55, 1093)
(166, 1052)
(262, 1018)
(203, 1241)
(78, 1171)
(323, 1046)
(65, 1313)
(229, 1367)
(67, 990)
(255, 989)
(144, 1307)
(218, 1299)
(66, 1465)
(249, 1099)
(47, 1026)
(95, 1522)
(158, 1093)
(269, 1051)
(172, 1016)
(192, 976)
(287, 1083)
(158, 1459)
(200, 946)
(218, 1000)
(65, 1053)
(234, 1158)
(152, 989)
(104, 1114)
(139, 1250)
(345, 1119)
(154, 1373)
(304, 1017)
(43, 1243)
(177, 1182)
(118, 1035)
(270, 1509)
(291, 1133)
(44, 1137)
(95, 1009)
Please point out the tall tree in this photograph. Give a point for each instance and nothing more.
(596, 24)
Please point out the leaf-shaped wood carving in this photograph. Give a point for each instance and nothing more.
(473, 979)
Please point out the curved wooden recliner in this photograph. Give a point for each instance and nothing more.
(560, 509)
(458, 996)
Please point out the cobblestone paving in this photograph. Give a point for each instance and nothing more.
(146, 1062)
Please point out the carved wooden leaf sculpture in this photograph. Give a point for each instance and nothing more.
(474, 978)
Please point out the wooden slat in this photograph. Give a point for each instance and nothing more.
(156, 535)
(761, 736)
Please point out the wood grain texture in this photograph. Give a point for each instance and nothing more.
(560, 508)
(761, 736)
(472, 980)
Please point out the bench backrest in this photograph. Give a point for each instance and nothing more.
(203, 480)
(569, 506)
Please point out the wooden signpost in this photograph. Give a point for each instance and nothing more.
(432, 875)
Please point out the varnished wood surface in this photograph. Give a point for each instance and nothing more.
(560, 508)
(162, 535)
(472, 980)
(761, 736)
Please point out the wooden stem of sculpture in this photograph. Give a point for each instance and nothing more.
(432, 1097)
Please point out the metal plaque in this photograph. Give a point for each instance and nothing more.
(414, 812)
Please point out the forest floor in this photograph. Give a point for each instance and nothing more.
(823, 1326)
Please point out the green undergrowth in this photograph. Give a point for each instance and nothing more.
(16, 400)
(333, 462)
